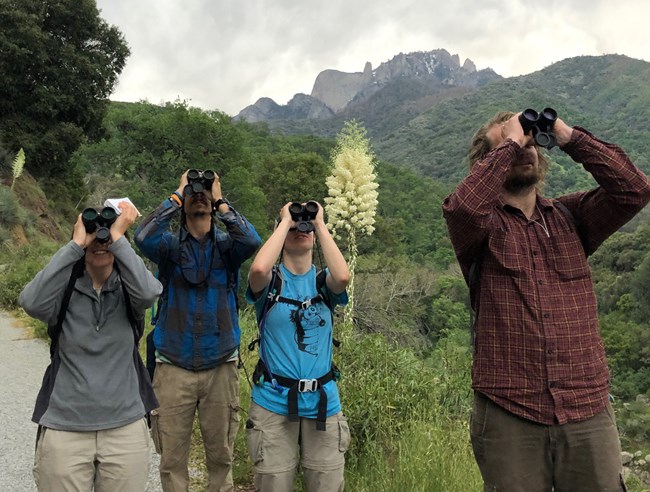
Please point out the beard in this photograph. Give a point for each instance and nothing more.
(516, 182)
(199, 206)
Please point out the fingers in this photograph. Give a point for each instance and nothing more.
(182, 183)
(216, 188)
(284, 213)
(513, 130)
(79, 232)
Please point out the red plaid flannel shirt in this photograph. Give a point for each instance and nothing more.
(538, 352)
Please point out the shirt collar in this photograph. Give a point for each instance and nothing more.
(185, 234)
(542, 203)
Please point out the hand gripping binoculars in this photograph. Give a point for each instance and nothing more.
(541, 124)
(99, 221)
(198, 181)
(303, 215)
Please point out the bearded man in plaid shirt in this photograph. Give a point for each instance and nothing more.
(541, 418)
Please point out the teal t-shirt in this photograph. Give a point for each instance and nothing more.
(293, 356)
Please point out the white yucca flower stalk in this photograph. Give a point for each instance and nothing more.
(352, 202)
(17, 166)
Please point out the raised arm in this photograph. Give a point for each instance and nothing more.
(259, 275)
(623, 188)
(338, 272)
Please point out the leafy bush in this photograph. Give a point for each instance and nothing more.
(407, 415)
(19, 267)
(11, 213)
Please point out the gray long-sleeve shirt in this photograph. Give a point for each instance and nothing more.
(96, 386)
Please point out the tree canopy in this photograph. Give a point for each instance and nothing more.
(59, 62)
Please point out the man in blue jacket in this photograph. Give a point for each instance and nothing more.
(197, 333)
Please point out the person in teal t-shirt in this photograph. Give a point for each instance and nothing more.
(296, 403)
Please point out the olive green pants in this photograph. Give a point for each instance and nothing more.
(215, 394)
(274, 442)
(515, 454)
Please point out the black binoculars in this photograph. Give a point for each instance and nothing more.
(198, 181)
(303, 215)
(541, 124)
(99, 221)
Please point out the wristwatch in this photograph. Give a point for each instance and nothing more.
(219, 202)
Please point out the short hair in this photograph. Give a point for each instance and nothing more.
(481, 145)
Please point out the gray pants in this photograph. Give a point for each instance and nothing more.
(518, 455)
(112, 460)
(273, 444)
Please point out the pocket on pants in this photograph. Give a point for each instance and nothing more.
(344, 434)
(254, 441)
(478, 417)
(155, 431)
(234, 424)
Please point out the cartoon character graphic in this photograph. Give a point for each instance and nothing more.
(308, 322)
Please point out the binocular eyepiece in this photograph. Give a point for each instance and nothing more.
(541, 124)
(303, 215)
(198, 181)
(99, 221)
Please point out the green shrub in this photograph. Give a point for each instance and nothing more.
(11, 213)
(408, 416)
(19, 267)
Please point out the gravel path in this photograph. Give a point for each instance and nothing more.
(22, 363)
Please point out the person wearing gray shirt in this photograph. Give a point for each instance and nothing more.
(96, 393)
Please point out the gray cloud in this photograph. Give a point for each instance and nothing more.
(225, 54)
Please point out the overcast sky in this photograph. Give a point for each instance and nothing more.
(226, 54)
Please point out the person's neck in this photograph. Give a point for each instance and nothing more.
(298, 265)
(525, 200)
(198, 225)
(99, 275)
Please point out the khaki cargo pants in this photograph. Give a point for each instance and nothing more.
(273, 443)
(215, 394)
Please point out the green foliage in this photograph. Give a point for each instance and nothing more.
(408, 416)
(147, 148)
(409, 220)
(19, 266)
(11, 213)
(17, 166)
(60, 62)
(628, 352)
(289, 176)
(633, 419)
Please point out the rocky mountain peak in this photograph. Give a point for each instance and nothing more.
(333, 90)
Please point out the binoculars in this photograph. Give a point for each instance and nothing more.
(303, 215)
(541, 124)
(198, 181)
(99, 221)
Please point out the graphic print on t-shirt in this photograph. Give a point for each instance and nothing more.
(308, 323)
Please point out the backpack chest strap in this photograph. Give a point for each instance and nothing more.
(294, 302)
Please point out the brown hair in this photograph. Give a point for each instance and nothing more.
(481, 145)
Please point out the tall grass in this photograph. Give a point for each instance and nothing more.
(408, 416)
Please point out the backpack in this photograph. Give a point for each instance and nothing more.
(474, 276)
(295, 386)
(54, 332)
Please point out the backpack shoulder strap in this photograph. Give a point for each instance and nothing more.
(575, 220)
(136, 325)
(224, 246)
(54, 331)
(273, 294)
(321, 287)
